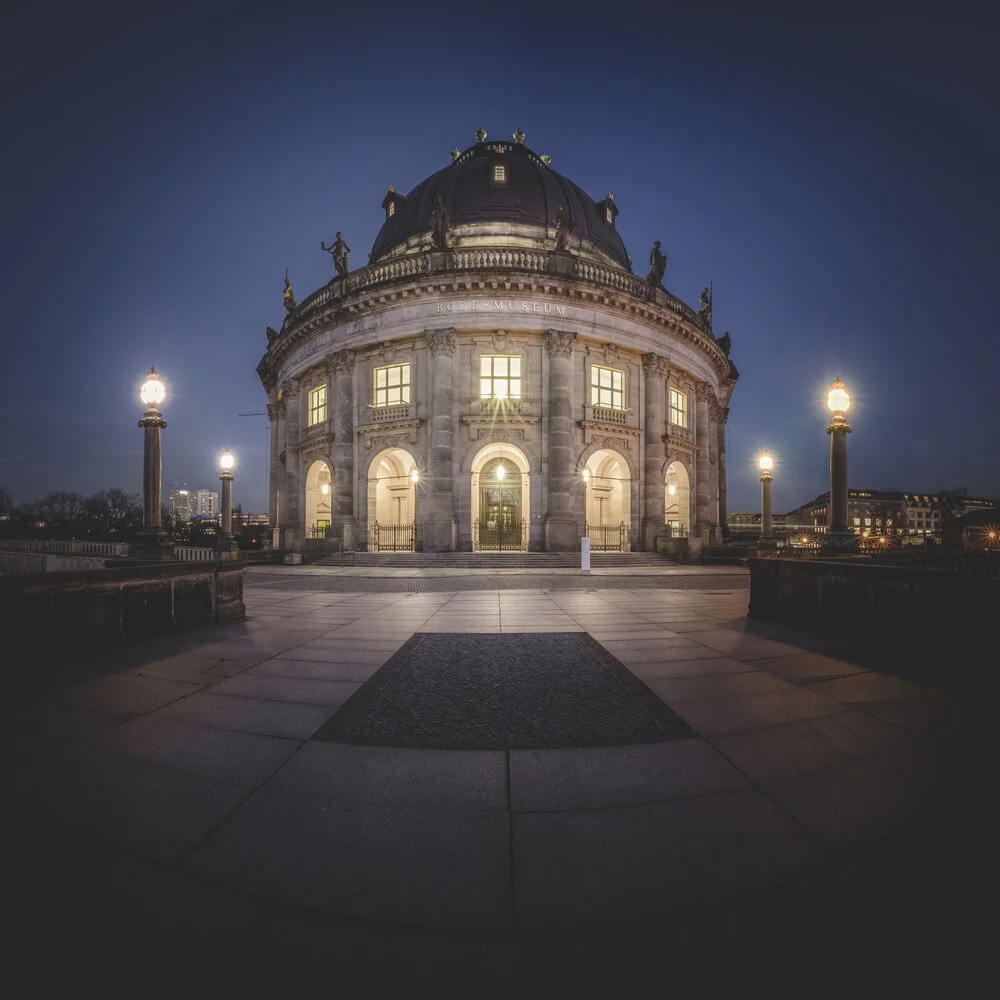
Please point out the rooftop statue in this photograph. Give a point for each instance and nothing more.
(440, 225)
(705, 311)
(340, 252)
(288, 296)
(271, 334)
(726, 343)
(519, 136)
(657, 265)
(564, 226)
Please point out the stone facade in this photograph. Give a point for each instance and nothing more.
(567, 456)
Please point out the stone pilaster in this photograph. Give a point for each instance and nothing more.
(703, 517)
(342, 384)
(276, 478)
(713, 470)
(654, 367)
(562, 533)
(294, 485)
(723, 508)
(440, 526)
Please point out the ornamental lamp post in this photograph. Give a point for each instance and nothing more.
(151, 539)
(765, 462)
(838, 401)
(226, 536)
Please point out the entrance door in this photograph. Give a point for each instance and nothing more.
(500, 526)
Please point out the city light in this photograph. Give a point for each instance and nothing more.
(324, 488)
(586, 479)
(414, 476)
(838, 400)
(226, 461)
(765, 462)
(152, 392)
(501, 472)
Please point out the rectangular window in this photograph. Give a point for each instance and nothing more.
(678, 408)
(607, 387)
(499, 174)
(392, 385)
(499, 376)
(317, 405)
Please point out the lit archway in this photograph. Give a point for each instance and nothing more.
(393, 478)
(319, 487)
(500, 499)
(677, 500)
(608, 500)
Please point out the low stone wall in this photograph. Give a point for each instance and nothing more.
(46, 562)
(894, 606)
(46, 618)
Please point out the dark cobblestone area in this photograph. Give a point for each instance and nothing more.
(502, 692)
(419, 585)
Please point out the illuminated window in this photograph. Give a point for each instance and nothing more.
(607, 387)
(317, 405)
(392, 385)
(391, 210)
(499, 376)
(499, 173)
(678, 408)
(609, 216)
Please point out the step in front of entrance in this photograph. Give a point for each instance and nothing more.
(496, 560)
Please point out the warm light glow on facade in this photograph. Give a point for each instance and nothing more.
(501, 472)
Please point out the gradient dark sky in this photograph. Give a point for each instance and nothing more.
(835, 175)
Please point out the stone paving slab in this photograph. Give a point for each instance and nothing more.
(248, 715)
(485, 692)
(427, 867)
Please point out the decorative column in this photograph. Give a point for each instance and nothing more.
(723, 508)
(765, 496)
(562, 533)
(838, 401)
(701, 492)
(292, 518)
(226, 478)
(440, 526)
(276, 487)
(655, 368)
(151, 540)
(342, 501)
(713, 470)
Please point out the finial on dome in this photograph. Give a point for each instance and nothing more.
(455, 154)
(480, 135)
(392, 187)
(545, 158)
(518, 136)
(611, 197)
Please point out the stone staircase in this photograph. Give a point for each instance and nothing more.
(492, 560)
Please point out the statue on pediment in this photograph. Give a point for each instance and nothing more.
(564, 226)
(288, 295)
(440, 224)
(657, 265)
(340, 252)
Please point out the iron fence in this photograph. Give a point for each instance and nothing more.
(608, 537)
(498, 536)
(392, 537)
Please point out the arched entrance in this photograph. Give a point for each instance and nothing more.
(608, 501)
(677, 500)
(319, 481)
(392, 501)
(500, 496)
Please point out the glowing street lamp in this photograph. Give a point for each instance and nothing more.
(226, 535)
(151, 540)
(838, 401)
(765, 462)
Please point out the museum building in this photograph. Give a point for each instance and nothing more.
(496, 378)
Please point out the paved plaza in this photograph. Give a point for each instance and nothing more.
(818, 811)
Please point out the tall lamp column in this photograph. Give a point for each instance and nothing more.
(226, 537)
(838, 401)
(151, 539)
(765, 462)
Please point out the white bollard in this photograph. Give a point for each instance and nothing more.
(585, 554)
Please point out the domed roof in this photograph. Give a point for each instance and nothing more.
(527, 192)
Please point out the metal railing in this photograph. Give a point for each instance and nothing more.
(392, 537)
(193, 553)
(68, 546)
(495, 536)
(608, 537)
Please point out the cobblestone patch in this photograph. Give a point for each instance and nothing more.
(501, 692)
(419, 585)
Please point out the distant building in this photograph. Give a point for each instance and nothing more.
(890, 512)
(186, 504)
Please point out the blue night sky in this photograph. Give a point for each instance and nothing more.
(835, 178)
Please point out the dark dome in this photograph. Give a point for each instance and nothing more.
(531, 196)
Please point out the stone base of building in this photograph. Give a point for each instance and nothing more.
(562, 534)
(651, 531)
(440, 534)
(151, 545)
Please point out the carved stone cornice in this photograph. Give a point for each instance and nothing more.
(723, 414)
(389, 433)
(289, 390)
(559, 343)
(591, 427)
(501, 342)
(441, 341)
(655, 365)
(715, 412)
(704, 394)
(342, 362)
(611, 354)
